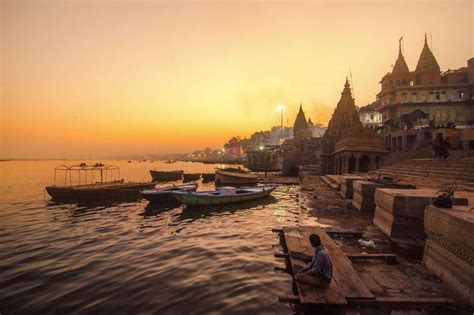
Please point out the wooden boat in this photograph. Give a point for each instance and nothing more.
(191, 177)
(86, 188)
(223, 195)
(208, 177)
(166, 176)
(231, 176)
(164, 194)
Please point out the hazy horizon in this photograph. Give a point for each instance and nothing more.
(82, 79)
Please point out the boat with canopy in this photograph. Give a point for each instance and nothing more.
(97, 181)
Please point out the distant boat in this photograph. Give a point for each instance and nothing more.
(164, 194)
(208, 177)
(86, 189)
(170, 162)
(166, 176)
(223, 195)
(231, 176)
(191, 177)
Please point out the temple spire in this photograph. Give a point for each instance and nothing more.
(400, 67)
(427, 62)
(300, 121)
(400, 46)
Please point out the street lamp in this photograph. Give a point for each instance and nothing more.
(281, 108)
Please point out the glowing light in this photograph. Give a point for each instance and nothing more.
(280, 107)
(262, 147)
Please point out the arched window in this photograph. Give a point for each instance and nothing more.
(437, 96)
(461, 94)
(404, 82)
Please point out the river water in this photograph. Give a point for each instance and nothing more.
(130, 256)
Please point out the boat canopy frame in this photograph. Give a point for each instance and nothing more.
(104, 172)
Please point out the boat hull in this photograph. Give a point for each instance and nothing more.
(164, 195)
(163, 176)
(191, 177)
(97, 191)
(208, 177)
(231, 178)
(196, 199)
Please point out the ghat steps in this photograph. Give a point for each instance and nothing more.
(433, 173)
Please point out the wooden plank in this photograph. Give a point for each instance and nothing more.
(294, 299)
(344, 274)
(402, 302)
(281, 255)
(310, 295)
(389, 258)
(356, 234)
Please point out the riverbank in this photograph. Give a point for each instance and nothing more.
(322, 206)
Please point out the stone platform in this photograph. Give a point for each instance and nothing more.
(449, 250)
(347, 181)
(399, 213)
(364, 193)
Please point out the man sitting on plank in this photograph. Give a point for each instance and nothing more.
(318, 272)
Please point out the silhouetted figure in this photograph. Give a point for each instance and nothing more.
(447, 148)
(436, 148)
(318, 272)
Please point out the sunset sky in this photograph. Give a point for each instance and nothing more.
(94, 78)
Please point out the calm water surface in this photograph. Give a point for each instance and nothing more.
(132, 256)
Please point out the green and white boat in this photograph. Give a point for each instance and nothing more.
(223, 195)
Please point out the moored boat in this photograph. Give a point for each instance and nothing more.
(208, 177)
(166, 176)
(191, 177)
(93, 182)
(164, 193)
(223, 195)
(230, 176)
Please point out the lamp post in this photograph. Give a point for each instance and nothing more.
(281, 108)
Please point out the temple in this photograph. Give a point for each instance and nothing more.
(444, 97)
(303, 149)
(348, 146)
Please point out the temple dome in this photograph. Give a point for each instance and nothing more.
(400, 67)
(427, 62)
(300, 122)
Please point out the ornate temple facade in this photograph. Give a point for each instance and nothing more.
(348, 146)
(446, 98)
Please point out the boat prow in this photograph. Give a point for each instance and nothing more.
(164, 193)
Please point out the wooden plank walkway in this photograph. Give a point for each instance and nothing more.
(346, 282)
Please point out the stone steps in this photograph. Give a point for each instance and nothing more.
(423, 175)
(464, 176)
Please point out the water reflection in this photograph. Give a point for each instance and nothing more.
(193, 213)
(131, 256)
(155, 208)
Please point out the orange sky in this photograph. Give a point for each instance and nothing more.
(93, 78)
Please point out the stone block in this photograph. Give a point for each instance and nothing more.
(452, 269)
(454, 225)
(398, 227)
(408, 203)
(363, 203)
(346, 186)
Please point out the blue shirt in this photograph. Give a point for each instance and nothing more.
(321, 264)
